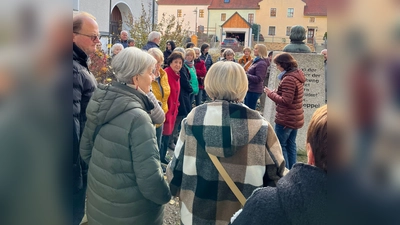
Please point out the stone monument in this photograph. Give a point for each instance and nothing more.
(312, 65)
(297, 35)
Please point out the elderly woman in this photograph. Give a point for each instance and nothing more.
(175, 62)
(229, 55)
(116, 48)
(246, 59)
(189, 64)
(256, 74)
(201, 72)
(125, 180)
(205, 56)
(184, 99)
(244, 142)
(160, 88)
(170, 46)
(289, 105)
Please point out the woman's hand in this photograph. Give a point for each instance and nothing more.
(267, 90)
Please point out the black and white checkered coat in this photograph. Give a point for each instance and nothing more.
(245, 144)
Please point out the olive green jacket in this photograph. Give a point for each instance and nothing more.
(125, 180)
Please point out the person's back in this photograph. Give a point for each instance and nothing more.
(301, 196)
(237, 135)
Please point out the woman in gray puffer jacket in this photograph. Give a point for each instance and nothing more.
(125, 180)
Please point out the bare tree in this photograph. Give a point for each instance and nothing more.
(169, 26)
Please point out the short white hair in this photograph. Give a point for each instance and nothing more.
(116, 45)
(180, 49)
(131, 62)
(124, 31)
(153, 35)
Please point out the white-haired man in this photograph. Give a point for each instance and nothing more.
(153, 40)
(123, 38)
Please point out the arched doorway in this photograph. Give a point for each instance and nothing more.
(115, 23)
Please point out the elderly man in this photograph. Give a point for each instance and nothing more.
(85, 38)
(123, 38)
(131, 42)
(153, 40)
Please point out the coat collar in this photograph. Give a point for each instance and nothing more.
(80, 56)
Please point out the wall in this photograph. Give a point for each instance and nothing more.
(101, 9)
(188, 14)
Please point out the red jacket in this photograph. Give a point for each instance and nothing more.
(173, 101)
(201, 72)
(289, 100)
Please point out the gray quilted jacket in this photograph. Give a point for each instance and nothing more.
(125, 181)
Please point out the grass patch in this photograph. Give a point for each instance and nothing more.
(302, 156)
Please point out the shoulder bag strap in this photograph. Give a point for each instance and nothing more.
(228, 179)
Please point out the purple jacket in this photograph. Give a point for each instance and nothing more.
(256, 75)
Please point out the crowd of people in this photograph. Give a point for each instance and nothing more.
(204, 113)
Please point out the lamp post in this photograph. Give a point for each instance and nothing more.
(153, 14)
(195, 28)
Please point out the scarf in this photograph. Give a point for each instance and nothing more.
(189, 64)
(281, 75)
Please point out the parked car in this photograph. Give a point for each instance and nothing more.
(232, 43)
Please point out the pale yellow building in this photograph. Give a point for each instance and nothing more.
(193, 12)
(276, 17)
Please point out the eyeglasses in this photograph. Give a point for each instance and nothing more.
(92, 37)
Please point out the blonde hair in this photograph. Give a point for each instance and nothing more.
(262, 51)
(247, 49)
(226, 80)
(190, 51)
(156, 53)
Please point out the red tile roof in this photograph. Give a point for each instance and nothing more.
(184, 2)
(235, 4)
(316, 7)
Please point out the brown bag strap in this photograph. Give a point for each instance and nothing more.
(228, 179)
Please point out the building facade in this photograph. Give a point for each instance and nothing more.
(279, 16)
(112, 15)
(193, 12)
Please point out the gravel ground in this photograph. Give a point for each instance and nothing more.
(172, 212)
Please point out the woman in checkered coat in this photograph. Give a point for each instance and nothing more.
(243, 141)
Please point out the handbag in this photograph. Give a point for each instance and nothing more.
(228, 179)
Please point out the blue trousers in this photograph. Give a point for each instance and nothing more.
(287, 139)
(251, 99)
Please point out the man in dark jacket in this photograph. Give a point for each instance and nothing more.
(301, 196)
(85, 37)
(153, 40)
(123, 39)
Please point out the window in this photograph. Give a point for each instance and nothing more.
(273, 12)
(271, 31)
(250, 18)
(201, 13)
(223, 16)
(179, 13)
(288, 31)
(226, 1)
(312, 19)
(290, 12)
